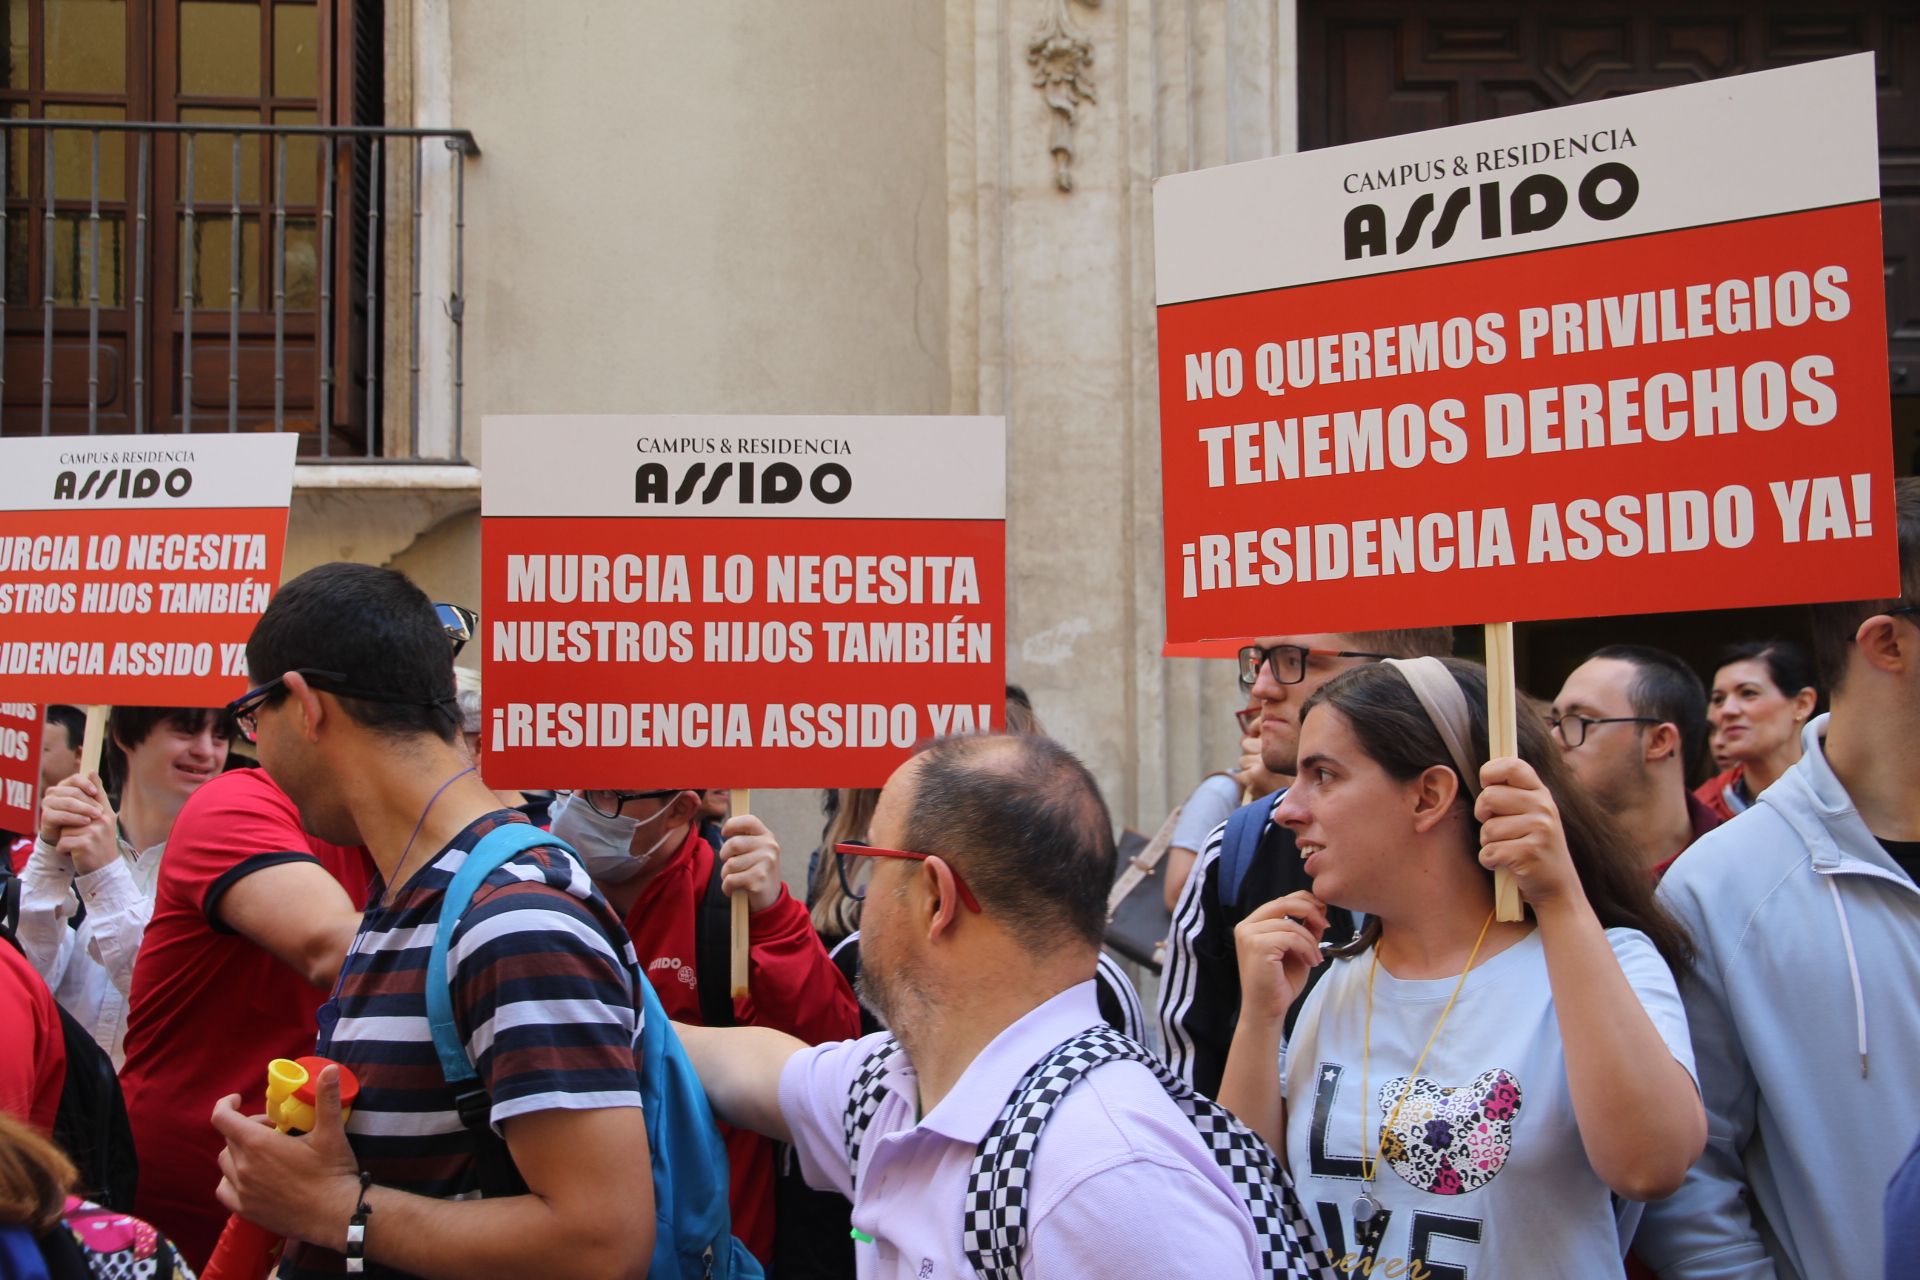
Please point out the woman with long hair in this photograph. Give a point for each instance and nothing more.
(1764, 692)
(1461, 1091)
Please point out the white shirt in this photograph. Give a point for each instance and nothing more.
(90, 969)
(1484, 1170)
(1121, 1184)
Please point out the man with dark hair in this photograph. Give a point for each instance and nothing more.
(1200, 991)
(1804, 996)
(992, 861)
(354, 717)
(1633, 722)
(110, 861)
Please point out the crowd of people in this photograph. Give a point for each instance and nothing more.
(1693, 1057)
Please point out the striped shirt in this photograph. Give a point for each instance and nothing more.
(545, 1002)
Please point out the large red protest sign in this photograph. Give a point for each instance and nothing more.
(20, 731)
(760, 601)
(1628, 356)
(132, 568)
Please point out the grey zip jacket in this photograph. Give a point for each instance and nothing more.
(1804, 1005)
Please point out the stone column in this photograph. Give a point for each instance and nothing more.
(1060, 114)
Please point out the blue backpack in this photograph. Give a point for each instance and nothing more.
(1241, 840)
(692, 1224)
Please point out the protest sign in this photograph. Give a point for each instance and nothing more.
(1626, 356)
(133, 568)
(20, 731)
(751, 601)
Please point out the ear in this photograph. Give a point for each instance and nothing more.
(1884, 644)
(944, 907)
(1662, 742)
(683, 808)
(313, 713)
(1434, 793)
(1803, 704)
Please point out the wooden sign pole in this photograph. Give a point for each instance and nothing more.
(1503, 739)
(742, 803)
(94, 737)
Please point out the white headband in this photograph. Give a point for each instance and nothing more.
(1446, 706)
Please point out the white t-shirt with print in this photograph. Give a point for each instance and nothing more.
(1488, 1177)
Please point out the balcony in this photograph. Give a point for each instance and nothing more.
(200, 277)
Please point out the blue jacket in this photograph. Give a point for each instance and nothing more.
(1804, 1004)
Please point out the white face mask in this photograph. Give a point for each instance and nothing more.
(604, 844)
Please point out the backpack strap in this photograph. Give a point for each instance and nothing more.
(862, 1101)
(712, 955)
(10, 906)
(994, 1223)
(1246, 827)
(494, 850)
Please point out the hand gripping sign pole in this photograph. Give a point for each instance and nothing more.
(743, 803)
(1503, 740)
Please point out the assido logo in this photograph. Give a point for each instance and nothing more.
(121, 482)
(743, 482)
(1534, 203)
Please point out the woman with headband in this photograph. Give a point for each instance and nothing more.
(1462, 1096)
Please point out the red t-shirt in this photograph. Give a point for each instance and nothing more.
(33, 1067)
(209, 1009)
(793, 988)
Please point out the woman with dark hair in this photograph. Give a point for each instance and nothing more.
(155, 758)
(1460, 1090)
(1764, 692)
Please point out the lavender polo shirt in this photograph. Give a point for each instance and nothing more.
(1121, 1182)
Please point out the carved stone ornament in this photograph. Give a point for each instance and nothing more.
(1061, 55)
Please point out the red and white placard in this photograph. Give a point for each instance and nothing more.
(1626, 356)
(133, 568)
(760, 601)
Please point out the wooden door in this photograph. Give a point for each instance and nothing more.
(1372, 68)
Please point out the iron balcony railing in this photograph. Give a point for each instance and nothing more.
(359, 214)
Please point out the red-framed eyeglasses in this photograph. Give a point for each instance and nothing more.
(860, 849)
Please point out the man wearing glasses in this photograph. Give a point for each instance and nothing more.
(355, 719)
(991, 858)
(646, 854)
(252, 917)
(1804, 996)
(1633, 723)
(1200, 991)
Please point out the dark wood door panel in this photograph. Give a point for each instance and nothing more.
(1375, 68)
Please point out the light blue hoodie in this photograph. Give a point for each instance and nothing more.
(1804, 1005)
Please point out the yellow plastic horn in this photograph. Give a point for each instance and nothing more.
(284, 1111)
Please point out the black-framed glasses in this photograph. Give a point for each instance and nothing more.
(610, 804)
(1905, 611)
(246, 708)
(459, 623)
(1287, 663)
(861, 849)
(1573, 729)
